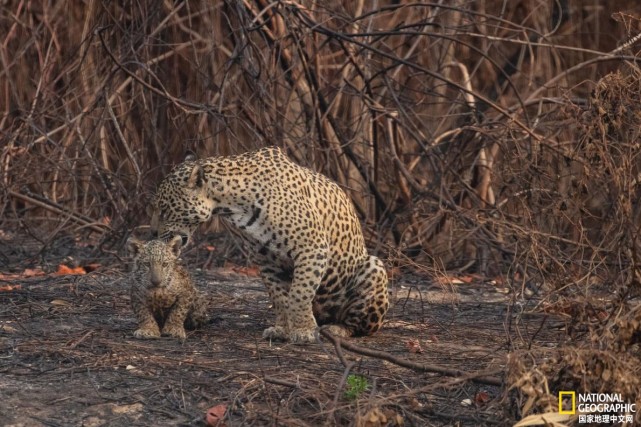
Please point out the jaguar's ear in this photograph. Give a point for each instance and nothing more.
(176, 244)
(153, 219)
(134, 246)
(191, 157)
(197, 178)
(150, 208)
(153, 226)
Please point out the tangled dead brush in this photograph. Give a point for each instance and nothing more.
(624, 334)
(423, 112)
(609, 363)
(604, 307)
(538, 378)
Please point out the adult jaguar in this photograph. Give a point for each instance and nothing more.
(302, 231)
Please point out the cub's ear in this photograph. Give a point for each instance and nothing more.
(134, 246)
(197, 178)
(176, 244)
(191, 157)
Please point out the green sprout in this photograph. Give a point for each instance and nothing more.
(356, 385)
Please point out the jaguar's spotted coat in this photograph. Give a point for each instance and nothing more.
(303, 232)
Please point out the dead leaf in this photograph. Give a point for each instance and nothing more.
(215, 415)
(92, 267)
(415, 404)
(550, 418)
(32, 272)
(127, 409)
(245, 271)
(394, 419)
(210, 248)
(8, 288)
(447, 280)
(59, 302)
(481, 398)
(497, 281)
(393, 273)
(413, 346)
(377, 417)
(64, 270)
(466, 402)
(7, 328)
(28, 272)
(373, 418)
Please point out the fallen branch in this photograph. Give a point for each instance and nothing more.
(278, 381)
(92, 225)
(481, 378)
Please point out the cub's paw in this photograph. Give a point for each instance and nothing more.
(275, 333)
(174, 331)
(146, 333)
(196, 320)
(302, 336)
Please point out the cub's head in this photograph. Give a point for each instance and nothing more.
(154, 260)
(181, 202)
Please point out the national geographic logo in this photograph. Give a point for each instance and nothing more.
(597, 407)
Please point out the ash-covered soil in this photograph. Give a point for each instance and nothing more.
(68, 358)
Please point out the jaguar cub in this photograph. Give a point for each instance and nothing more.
(163, 296)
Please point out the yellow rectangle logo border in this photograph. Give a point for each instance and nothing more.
(572, 395)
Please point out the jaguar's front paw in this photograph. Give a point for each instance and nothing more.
(147, 333)
(174, 331)
(198, 317)
(275, 333)
(302, 336)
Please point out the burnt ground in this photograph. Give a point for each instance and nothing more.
(68, 358)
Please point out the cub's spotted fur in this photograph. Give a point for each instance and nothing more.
(301, 228)
(163, 296)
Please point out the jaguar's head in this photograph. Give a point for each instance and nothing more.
(181, 203)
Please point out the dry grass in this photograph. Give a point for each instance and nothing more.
(417, 110)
